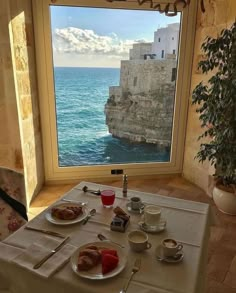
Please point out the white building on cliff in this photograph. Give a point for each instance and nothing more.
(166, 41)
(165, 45)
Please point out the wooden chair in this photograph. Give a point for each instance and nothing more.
(12, 185)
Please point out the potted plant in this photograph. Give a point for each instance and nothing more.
(216, 102)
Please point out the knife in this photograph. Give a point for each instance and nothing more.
(42, 261)
(75, 201)
(46, 232)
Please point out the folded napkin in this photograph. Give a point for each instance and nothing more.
(37, 251)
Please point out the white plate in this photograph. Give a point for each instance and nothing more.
(96, 272)
(57, 221)
(153, 229)
(138, 211)
(170, 259)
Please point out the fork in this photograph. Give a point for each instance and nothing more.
(135, 269)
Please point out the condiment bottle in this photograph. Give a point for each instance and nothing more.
(125, 185)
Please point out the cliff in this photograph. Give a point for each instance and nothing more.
(141, 108)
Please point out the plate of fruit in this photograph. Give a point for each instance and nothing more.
(66, 213)
(98, 260)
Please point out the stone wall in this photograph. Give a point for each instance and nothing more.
(20, 97)
(219, 15)
(139, 50)
(10, 143)
(137, 76)
(141, 108)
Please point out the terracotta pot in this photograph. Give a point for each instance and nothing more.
(225, 201)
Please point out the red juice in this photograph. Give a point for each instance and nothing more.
(108, 198)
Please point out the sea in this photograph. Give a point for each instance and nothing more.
(83, 137)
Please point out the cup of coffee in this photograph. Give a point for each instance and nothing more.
(152, 215)
(170, 247)
(135, 203)
(138, 241)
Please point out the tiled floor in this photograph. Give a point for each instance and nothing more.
(222, 247)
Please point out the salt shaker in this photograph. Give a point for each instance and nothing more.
(125, 185)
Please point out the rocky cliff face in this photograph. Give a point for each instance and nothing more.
(141, 108)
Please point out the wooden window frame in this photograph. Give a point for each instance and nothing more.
(44, 62)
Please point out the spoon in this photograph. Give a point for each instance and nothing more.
(91, 213)
(104, 238)
(176, 258)
(96, 192)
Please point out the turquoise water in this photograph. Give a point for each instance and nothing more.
(83, 137)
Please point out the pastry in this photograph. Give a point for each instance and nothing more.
(93, 254)
(88, 258)
(119, 212)
(85, 263)
(92, 247)
(66, 213)
(120, 221)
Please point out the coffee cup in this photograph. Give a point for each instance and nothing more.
(152, 215)
(135, 203)
(170, 247)
(138, 241)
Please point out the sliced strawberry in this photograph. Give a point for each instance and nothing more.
(109, 263)
(109, 251)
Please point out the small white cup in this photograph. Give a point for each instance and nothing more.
(135, 203)
(138, 241)
(170, 247)
(152, 215)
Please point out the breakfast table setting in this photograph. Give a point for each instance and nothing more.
(94, 239)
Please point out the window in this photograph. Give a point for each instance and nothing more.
(159, 39)
(173, 76)
(173, 38)
(173, 51)
(60, 89)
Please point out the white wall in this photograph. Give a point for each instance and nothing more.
(167, 40)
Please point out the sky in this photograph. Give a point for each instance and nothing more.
(98, 37)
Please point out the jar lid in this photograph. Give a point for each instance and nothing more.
(107, 192)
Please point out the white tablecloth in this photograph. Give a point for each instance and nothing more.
(187, 222)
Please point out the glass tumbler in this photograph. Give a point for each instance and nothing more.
(108, 198)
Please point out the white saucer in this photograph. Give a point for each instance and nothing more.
(153, 229)
(139, 211)
(169, 259)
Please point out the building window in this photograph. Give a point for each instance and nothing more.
(173, 38)
(173, 51)
(83, 83)
(173, 76)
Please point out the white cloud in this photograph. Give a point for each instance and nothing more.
(79, 41)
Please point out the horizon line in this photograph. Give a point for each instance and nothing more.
(86, 67)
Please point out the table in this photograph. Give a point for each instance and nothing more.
(188, 222)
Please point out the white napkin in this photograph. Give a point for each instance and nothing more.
(37, 251)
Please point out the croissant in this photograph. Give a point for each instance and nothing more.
(66, 213)
(85, 263)
(94, 255)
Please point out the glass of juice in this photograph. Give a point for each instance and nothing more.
(108, 198)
